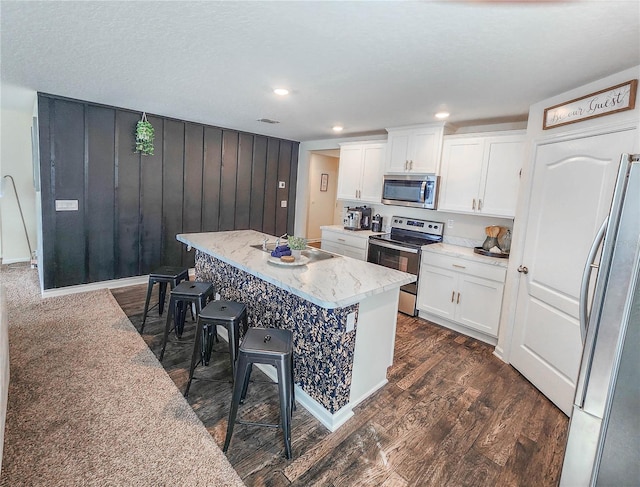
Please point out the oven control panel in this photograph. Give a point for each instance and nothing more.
(423, 226)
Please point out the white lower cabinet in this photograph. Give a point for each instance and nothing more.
(343, 243)
(462, 292)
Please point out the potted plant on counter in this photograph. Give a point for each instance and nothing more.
(297, 245)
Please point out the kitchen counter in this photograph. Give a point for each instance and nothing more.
(466, 253)
(332, 283)
(342, 313)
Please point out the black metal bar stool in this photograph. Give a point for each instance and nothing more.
(182, 296)
(224, 313)
(163, 275)
(271, 346)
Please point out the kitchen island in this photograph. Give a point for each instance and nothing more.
(342, 313)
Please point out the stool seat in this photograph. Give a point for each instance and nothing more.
(271, 346)
(185, 293)
(172, 275)
(217, 313)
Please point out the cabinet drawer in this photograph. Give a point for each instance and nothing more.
(345, 239)
(345, 250)
(486, 271)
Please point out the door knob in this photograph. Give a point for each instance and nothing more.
(523, 269)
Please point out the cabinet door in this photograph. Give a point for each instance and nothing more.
(503, 157)
(424, 150)
(398, 151)
(478, 303)
(461, 174)
(372, 173)
(436, 291)
(349, 172)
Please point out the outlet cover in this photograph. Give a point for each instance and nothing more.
(281, 185)
(449, 223)
(351, 321)
(283, 204)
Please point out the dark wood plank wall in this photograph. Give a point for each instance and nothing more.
(130, 207)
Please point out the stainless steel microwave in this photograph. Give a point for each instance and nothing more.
(417, 190)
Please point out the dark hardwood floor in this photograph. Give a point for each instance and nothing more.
(452, 414)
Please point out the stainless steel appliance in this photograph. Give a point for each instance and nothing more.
(376, 223)
(416, 190)
(400, 250)
(604, 432)
(352, 219)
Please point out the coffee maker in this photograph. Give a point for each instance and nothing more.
(376, 223)
(365, 220)
(352, 219)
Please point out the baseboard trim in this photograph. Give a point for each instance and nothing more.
(17, 260)
(93, 286)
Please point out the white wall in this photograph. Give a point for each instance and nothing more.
(16, 160)
(322, 204)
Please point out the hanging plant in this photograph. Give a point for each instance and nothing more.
(144, 136)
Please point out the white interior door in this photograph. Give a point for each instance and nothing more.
(571, 192)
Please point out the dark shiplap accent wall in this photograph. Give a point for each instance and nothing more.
(130, 207)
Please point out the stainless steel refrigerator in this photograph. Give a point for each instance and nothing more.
(603, 447)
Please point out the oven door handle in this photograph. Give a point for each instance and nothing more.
(387, 245)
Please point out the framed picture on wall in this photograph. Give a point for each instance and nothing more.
(324, 182)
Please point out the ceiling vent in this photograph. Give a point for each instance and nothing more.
(267, 120)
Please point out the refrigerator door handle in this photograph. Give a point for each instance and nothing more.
(586, 279)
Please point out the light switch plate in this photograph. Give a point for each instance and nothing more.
(66, 205)
(283, 204)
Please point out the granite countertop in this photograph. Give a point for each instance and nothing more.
(331, 283)
(466, 253)
(355, 233)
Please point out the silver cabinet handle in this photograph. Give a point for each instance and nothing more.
(458, 300)
(459, 266)
(473, 206)
(411, 165)
(586, 278)
(523, 269)
(479, 205)
(453, 295)
(341, 240)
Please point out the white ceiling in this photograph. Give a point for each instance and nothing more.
(366, 65)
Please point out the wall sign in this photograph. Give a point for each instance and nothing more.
(605, 102)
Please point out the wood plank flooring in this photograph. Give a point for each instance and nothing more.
(452, 414)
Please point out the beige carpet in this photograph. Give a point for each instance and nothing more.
(89, 404)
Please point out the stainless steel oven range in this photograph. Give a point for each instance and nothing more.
(400, 250)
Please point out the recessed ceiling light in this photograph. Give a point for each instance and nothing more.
(337, 128)
(281, 91)
(442, 115)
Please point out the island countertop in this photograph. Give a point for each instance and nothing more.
(331, 283)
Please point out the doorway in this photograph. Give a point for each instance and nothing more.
(322, 205)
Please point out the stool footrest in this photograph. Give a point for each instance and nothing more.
(252, 423)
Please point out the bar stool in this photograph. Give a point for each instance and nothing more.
(271, 346)
(224, 313)
(162, 276)
(182, 296)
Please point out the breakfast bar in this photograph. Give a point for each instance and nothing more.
(342, 313)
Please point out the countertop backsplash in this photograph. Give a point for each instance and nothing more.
(467, 230)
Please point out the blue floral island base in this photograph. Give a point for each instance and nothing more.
(341, 355)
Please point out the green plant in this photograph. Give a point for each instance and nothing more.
(144, 136)
(297, 243)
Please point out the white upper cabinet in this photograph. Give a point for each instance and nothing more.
(361, 171)
(481, 174)
(414, 149)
